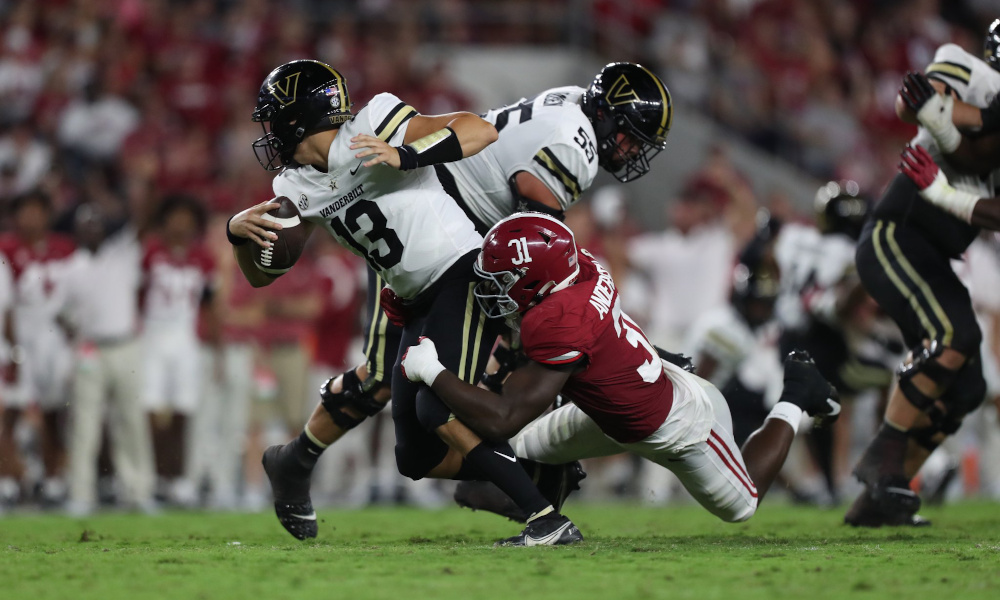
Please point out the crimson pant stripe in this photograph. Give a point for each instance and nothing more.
(750, 488)
(739, 465)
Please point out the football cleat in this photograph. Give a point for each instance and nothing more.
(806, 388)
(556, 531)
(866, 512)
(292, 503)
(555, 482)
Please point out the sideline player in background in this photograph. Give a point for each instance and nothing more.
(41, 360)
(904, 258)
(625, 398)
(361, 177)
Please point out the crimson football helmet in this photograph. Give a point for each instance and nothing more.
(525, 257)
(296, 99)
(630, 99)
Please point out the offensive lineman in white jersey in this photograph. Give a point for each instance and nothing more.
(362, 177)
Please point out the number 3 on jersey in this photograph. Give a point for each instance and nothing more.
(651, 369)
(351, 226)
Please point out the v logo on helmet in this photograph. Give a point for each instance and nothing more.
(621, 92)
(521, 245)
(286, 94)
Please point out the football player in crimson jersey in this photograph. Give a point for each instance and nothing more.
(625, 399)
(364, 178)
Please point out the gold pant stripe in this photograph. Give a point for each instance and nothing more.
(925, 289)
(896, 281)
(959, 73)
(466, 330)
(480, 325)
(376, 335)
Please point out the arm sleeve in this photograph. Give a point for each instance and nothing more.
(565, 170)
(952, 66)
(387, 118)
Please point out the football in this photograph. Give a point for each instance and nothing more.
(285, 250)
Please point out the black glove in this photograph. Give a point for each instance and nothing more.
(916, 90)
(991, 116)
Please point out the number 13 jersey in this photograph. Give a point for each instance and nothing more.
(402, 222)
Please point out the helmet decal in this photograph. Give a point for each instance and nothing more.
(621, 92)
(280, 91)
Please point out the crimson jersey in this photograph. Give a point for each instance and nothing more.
(175, 285)
(38, 276)
(622, 388)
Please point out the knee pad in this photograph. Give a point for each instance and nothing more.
(354, 394)
(966, 393)
(415, 461)
(431, 411)
(924, 362)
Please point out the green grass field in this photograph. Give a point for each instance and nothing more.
(630, 552)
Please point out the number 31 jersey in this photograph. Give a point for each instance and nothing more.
(402, 222)
(547, 136)
(622, 387)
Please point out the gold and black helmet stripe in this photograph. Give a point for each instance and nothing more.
(668, 106)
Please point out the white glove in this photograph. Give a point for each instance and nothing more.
(940, 193)
(935, 116)
(420, 362)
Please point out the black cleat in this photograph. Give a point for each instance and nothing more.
(806, 388)
(865, 512)
(546, 531)
(292, 503)
(555, 482)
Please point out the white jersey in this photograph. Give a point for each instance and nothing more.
(548, 136)
(975, 83)
(751, 355)
(812, 264)
(402, 222)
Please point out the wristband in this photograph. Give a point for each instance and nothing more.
(234, 240)
(787, 412)
(439, 147)
(941, 194)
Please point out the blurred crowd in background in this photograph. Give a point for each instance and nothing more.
(139, 367)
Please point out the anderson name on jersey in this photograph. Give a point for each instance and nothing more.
(622, 386)
(402, 222)
(548, 136)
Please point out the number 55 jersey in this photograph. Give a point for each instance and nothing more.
(401, 222)
(547, 135)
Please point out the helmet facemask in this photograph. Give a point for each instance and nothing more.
(493, 292)
(267, 148)
(627, 158)
(991, 46)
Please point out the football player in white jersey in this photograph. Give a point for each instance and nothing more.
(363, 178)
(903, 259)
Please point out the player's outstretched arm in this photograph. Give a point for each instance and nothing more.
(920, 167)
(963, 115)
(429, 140)
(496, 417)
(935, 112)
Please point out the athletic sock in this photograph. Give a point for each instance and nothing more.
(498, 464)
(885, 454)
(303, 452)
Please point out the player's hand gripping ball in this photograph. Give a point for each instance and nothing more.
(291, 240)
